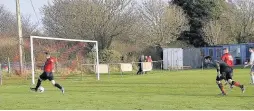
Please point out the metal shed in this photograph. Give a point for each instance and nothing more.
(215, 52)
(192, 57)
(172, 58)
(177, 58)
(239, 52)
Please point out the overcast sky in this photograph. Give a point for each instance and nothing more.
(26, 7)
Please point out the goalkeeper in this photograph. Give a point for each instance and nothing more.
(223, 72)
(48, 74)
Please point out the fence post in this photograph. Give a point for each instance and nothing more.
(25, 70)
(1, 80)
(161, 65)
(132, 67)
(121, 71)
(9, 66)
(81, 75)
(202, 60)
(81, 69)
(108, 70)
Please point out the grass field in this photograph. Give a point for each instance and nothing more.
(158, 90)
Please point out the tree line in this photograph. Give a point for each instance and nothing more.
(128, 27)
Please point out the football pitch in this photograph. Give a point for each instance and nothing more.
(157, 90)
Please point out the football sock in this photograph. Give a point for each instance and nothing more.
(252, 79)
(221, 88)
(38, 84)
(58, 86)
(236, 83)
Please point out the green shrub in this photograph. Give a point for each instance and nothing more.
(109, 56)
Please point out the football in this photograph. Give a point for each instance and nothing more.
(41, 89)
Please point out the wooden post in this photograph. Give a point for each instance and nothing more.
(108, 70)
(1, 80)
(9, 66)
(20, 36)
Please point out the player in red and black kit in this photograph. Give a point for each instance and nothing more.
(224, 71)
(228, 59)
(48, 73)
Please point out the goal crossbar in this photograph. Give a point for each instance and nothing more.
(62, 39)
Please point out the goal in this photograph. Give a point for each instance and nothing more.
(68, 53)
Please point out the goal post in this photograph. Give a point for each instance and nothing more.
(61, 39)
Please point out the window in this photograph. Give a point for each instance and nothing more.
(235, 51)
(238, 52)
(219, 52)
(203, 52)
(211, 52)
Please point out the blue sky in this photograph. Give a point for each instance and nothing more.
(26, 7)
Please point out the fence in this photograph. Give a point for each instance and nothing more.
(192, 57)
(179, 59)
(1, 77)
(107, 68)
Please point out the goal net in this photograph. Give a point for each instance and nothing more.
(69, 54)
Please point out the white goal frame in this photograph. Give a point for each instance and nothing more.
(62, 39)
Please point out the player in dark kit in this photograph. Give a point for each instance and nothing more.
(223, 72)
(48, 73)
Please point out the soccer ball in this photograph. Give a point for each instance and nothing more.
(41, 89)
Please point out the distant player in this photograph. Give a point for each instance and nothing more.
(140, 69)
(48, 73)
(251, 63)
(224, 71)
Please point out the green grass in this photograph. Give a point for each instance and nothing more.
(158, 90)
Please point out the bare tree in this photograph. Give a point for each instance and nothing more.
(9, 33)
(212, 31)
(101, 20)
(218, 32)
(161, 23)
(234, 25)
(243, 21)
(7, 21)
(8, 24)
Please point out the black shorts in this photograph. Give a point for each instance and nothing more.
(226, 74)
(47, 75)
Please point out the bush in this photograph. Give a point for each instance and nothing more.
(105, 56)
(109, 56)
